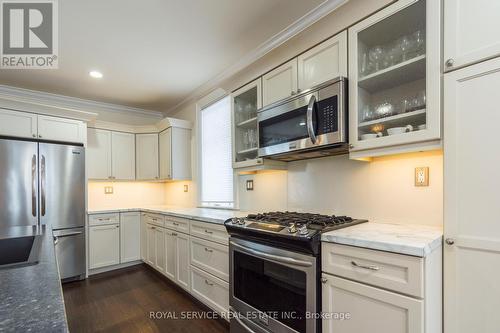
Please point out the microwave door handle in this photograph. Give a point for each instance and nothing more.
(310, 127)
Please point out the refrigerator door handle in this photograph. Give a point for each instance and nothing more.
(42, 171)
(33, 185)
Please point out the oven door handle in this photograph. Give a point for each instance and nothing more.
(245, 326)
(284, 260)
(310, 127)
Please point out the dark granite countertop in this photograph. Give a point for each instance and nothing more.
(31, 298)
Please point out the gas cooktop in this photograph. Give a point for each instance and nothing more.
(288, 228)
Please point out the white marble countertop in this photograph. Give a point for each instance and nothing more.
(211, 215)
(415, 240)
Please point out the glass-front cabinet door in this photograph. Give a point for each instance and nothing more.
(246, 101)
(394, 78)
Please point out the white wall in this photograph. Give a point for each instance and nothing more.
(126, 195)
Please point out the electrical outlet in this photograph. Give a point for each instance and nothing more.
(422, 176)
(108, 189)
(186, 188)
(250, 185)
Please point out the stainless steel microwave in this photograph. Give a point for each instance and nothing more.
(311, 124)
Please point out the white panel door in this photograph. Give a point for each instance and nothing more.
(19, 124)
(130, 237)
(470, 31)
(471, 165)
(166, 154)
(98, 154)
(371, 309)
(181, 153)
(151, 248)
(280, 83)
(324, 62)
(104, 245)
(61, 129)
(170, 256)
(160, 249)
(182, 260)
(146, 149)
(123, 155)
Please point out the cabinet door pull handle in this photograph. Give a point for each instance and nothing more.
(208, 232)
(176, 224)
(324, 280)
(208, 250)
(209, 283)
(449, 62)
(370, 267)
(174, 234)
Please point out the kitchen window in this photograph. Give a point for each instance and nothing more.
(217, 188)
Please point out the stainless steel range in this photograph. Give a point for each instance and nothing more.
(275, 269)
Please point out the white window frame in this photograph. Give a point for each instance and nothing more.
(203, 103)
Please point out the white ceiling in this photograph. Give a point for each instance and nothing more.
(153, 53)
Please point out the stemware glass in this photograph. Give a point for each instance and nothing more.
(419, 38)
(421, 99)
(375, 55)
(246, 141)
(404, 45)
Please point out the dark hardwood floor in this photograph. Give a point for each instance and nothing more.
(121, 301)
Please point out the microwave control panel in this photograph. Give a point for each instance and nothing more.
(328, 114)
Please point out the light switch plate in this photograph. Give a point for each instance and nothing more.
(250, 185)
(422, 176)
(108, 189)
(186, 188)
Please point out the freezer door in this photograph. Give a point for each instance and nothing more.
(62, 185)
(70, 252)
(18, 183)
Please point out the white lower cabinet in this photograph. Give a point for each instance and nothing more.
(212, 291)
(182, 260)
(380, 291)
(160, 254)
(170, 246)
(371, 309)
(144, 239)
(104, 245)
(151, 246)
(130, 242)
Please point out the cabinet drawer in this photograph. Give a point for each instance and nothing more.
(177, 223)
(211, 257)
(210, 231)
(100, 219)
(156, 219)
(210, 290)
(391, 271)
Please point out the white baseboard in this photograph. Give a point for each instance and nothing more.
(112, 268)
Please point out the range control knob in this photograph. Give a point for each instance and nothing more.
(241, 221)
(303, 230)
(292, 228)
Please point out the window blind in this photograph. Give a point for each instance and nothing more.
(216, 155)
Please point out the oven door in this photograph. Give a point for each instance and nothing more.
(272, 287)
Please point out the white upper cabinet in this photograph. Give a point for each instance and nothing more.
(98, 154)
(123, 155)
(165, 139)
(395, 80)
(280, 83)
(175, 153)
(147, 166)
(19, 124)
(61, 129)
(324, 62)
(470, 32)
(30, 125)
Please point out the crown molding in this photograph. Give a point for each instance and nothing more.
(47, 103)
(275, 41)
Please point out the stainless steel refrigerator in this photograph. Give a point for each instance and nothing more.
(44, 183)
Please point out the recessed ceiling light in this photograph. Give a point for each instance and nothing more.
(95, 74)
